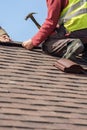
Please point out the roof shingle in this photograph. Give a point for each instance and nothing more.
(34, 95)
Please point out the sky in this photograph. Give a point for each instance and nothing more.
(13, 13)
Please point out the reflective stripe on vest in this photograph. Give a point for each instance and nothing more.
(74, 16)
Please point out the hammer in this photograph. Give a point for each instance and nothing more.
(30, 15)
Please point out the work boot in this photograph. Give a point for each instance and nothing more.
(74, 48)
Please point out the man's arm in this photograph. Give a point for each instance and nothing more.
(54, 9)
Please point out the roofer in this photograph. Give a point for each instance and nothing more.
(4, 37)
(64, 32)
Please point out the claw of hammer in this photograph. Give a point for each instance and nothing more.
(30, 15)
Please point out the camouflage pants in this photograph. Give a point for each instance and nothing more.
(57, 43)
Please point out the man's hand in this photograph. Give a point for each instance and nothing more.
(28, 44)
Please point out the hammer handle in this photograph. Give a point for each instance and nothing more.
(36, 23)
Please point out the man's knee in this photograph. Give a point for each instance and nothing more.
(73, 49)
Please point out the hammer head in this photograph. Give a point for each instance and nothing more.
(29, 15)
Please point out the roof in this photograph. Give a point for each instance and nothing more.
(35, 95)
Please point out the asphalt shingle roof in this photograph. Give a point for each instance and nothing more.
(35, 95)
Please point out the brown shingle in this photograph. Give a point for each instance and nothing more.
(34, 95)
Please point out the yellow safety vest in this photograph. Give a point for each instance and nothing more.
(74, 16)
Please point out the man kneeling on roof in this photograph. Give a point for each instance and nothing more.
(64, 32)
